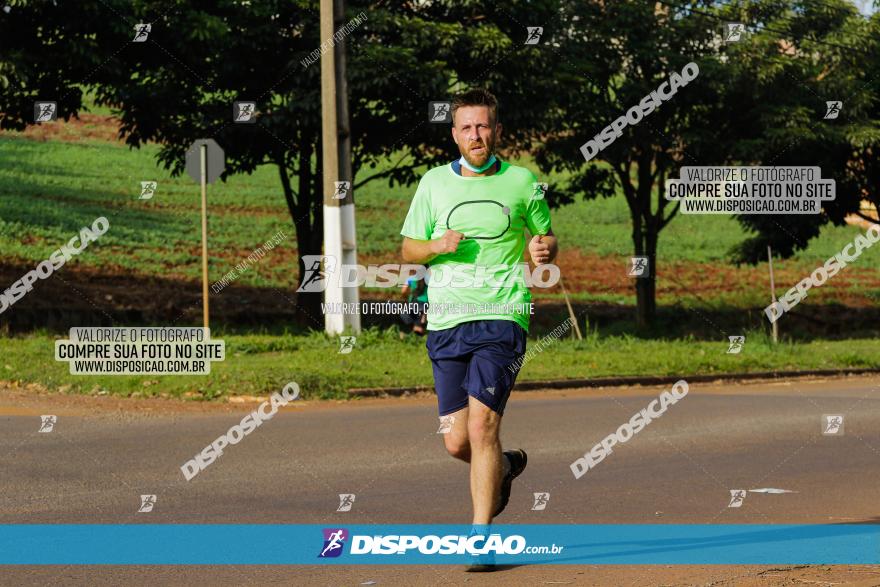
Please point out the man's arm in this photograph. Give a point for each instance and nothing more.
(416, 251)
(420, 252)
(544, 248)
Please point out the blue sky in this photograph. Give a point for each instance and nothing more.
(866, 6)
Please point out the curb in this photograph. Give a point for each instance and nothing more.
(621, 381)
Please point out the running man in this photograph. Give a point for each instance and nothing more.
(468, 218)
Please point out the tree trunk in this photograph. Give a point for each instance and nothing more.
(645, 230)
(646, 287)
(308, 220)
(308, 304)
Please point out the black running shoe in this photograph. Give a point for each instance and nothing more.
(518, 459)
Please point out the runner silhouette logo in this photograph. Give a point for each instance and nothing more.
(334, 541)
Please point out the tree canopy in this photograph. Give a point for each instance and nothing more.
(759, 101)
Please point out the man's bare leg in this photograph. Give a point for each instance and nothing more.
(456, 440)
(483, 427)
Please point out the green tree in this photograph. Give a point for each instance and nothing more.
(808, 54)
(758, 101)
(863, 134)
(752, 103)
(180, 83)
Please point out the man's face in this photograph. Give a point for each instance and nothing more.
(475, 133)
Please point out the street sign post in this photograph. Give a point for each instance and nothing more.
(205, 163)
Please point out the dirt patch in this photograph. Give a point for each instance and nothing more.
(587, 273)
(115, 296)
(89, 127)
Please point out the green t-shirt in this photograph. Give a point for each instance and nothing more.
(483, 279)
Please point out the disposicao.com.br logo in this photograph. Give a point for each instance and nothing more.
(429, 544)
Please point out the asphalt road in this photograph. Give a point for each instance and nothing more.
(103, 454)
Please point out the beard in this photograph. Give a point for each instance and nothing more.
(480, 158)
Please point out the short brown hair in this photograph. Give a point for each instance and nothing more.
(476, 97)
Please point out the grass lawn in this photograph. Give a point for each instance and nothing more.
(259, 364)
(49, 189)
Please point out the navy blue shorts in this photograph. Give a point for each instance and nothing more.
(476, 358)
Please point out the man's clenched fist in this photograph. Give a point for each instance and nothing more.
(448, 243)
(539, 250)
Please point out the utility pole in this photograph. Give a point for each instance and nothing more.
(775, 327)
(339, 219)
